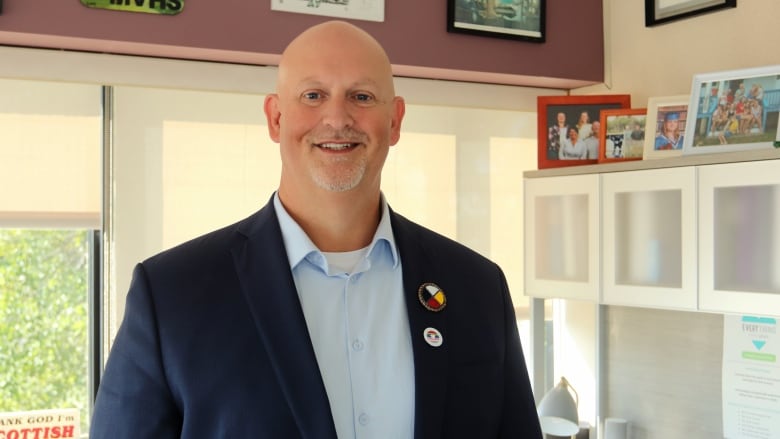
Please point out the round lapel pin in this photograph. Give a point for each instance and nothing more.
(433, 337)
(432, 297)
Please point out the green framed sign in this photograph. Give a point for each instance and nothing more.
(164, 7)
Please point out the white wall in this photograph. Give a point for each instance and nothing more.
(661, 60)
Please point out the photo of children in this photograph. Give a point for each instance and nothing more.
(624, 136)
(737, 111)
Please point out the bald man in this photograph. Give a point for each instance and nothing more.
(325, 314)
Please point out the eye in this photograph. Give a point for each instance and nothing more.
(363, 98)
(311, 96)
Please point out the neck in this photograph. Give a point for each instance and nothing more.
(334, 221)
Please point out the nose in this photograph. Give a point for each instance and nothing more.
(337, 113)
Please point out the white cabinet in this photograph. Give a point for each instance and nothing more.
(690, 233)
(739, 237)
(562, 237)
(649, 238)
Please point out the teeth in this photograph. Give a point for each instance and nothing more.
(335, 146)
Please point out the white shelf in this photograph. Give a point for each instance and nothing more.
(635, 165)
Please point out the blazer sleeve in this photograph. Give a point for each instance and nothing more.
(520, 418)
(134, 400)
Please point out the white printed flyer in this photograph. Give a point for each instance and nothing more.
(751, 377)
(40, 424)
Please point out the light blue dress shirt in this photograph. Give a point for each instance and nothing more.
(358, 324)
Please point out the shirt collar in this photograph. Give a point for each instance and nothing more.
(298, 244)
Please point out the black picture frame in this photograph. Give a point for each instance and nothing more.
(508, 19)
(655, 14)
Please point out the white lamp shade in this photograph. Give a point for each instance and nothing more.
(558, 411)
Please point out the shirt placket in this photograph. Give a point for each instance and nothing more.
(358, 347)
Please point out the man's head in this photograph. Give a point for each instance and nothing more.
(334, 113)
(595, 128)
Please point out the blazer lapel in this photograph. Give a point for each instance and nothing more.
(269, 289)
(430, 363)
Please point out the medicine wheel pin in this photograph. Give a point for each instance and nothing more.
(432, 297)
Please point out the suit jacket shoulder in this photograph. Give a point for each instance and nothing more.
(437, 248)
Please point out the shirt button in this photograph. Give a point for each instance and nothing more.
(364, 419)
(357, 345)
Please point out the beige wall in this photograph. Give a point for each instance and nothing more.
(661, 60)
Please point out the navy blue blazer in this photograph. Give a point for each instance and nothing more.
(214, 345)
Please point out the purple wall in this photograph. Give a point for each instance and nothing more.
(414, 34)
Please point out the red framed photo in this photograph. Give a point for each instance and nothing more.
(622, 134)
(565, 128)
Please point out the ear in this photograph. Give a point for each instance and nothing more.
(272, 115)
(399, 109)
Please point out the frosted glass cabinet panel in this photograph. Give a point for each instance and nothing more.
(562, 237)
(739, 237)
(649, 238)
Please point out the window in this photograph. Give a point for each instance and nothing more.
(45, 278)
(49, 213)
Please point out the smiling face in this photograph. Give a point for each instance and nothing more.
(595, 128)
(671, 125)
(335, 114)
(573, 135)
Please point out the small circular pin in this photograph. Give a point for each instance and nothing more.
(432, 297)
(433, 337)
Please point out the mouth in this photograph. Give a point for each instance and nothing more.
(336, 146)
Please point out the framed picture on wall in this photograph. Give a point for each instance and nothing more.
(622, 134)
(370, 10)
(663, 11)
(733, 110)
(565, 125)
(665, 128)
(512, 19)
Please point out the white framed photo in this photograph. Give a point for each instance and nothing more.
(733, 111)
(665, 126)
(370, 10)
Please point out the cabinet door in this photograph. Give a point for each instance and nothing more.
(562, 237)
(739, 237)
(649, 238)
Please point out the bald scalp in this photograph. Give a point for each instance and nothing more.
(339, 41)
